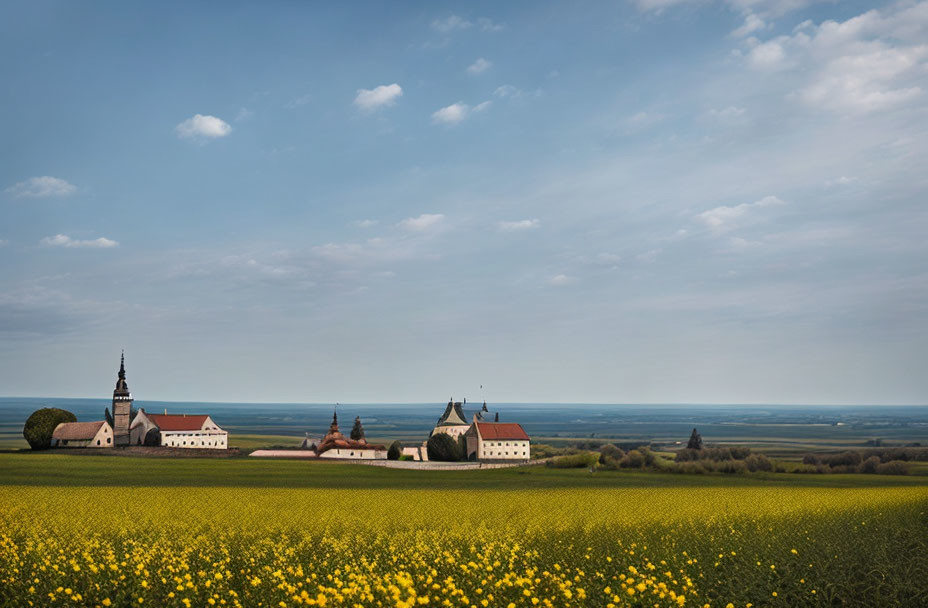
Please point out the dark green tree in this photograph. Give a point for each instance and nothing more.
(357, 431)
(442, 447)
(41, 424)
(395, 451)
(695, 442)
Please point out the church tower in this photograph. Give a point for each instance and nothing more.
(122, 406)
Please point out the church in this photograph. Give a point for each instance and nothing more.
(354, 447)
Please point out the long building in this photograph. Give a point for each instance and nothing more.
(497, 441)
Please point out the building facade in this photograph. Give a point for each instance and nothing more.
(506, 441)
(97, 434)
(178, 431)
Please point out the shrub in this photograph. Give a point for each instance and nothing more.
(395, 451)
(758, 462)
(633, 460)
(41, 424)
(405, 457)
(610, 456)
(893, 467)
(581, 460)
(843, 459)
(869, 465)
(442, 447)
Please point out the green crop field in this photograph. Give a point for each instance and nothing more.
(126, 531)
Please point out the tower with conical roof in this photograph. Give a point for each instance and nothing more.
(122, 406)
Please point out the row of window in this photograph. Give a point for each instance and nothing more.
(193, 444)
(506, 453)
(500, 443)
(108, 440)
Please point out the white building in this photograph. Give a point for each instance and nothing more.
(177, 431)
(98, 434)
(497, 441)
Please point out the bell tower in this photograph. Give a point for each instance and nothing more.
(122, 406)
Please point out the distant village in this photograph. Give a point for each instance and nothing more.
(478, 438)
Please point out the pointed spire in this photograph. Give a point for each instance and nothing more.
(333, 428)
(121, 387)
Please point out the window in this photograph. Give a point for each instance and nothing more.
(108, 439)
(98, 442)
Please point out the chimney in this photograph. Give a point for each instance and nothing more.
(165, 411)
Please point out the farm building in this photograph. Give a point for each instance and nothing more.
(97, 434)
(178, 431)
(497, 441)
(336, 445)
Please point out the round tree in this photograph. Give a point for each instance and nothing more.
(443, 448)
(41, 424)
(395, 451)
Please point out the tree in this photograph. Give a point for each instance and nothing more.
(695, 442)
(442, 447)
(395, 451)
(41, 424)
(357, 431)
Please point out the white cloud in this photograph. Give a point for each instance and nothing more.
(507, 90)
(243, 114)
(366, 223)
(727, 217)
(479, 67)
(62, 240)
(519, 225)
(296, 102)
(871, 62)
(384, 95)
(42, 187)
(841, 181)
(488, 25)
(649, 256)
(641, 121)
(4, 242)
(454, 22)
(752, 23)
(729, 114)
(424, 222)
(483, 105)
(200, 126)
(451, 23)
(560, 280)
(452, 114)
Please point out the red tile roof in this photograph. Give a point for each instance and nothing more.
(77, 430)
(178, 422)
(501, 430)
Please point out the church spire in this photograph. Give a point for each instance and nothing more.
(121, 386)
(334, 426)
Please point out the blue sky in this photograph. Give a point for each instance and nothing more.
(651, 201)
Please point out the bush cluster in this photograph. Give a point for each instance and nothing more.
(580, 460)
(879, 462)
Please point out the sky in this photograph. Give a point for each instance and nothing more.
(655, 201)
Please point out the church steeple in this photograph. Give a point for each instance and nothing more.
(122, 388)
(333, 428)
(122, 405)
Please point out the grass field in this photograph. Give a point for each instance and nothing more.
(97, 531)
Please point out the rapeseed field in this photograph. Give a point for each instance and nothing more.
(275, 547)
